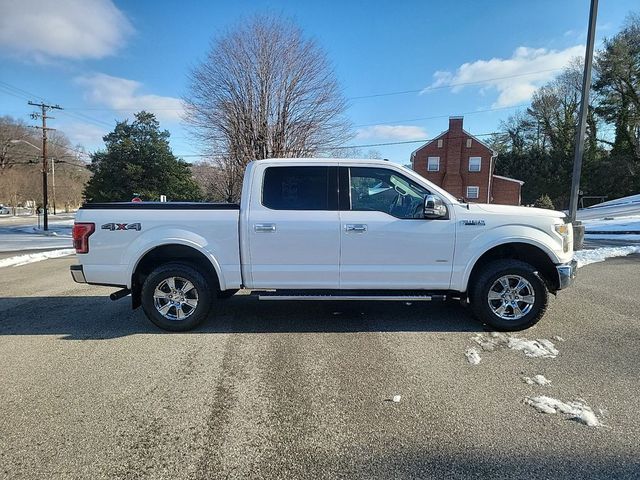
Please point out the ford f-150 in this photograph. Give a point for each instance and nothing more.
(327, 229)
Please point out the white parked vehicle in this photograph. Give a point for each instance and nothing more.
(327, 229)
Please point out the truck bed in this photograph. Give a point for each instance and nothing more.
(125, 232)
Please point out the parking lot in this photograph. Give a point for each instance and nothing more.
(91, 389)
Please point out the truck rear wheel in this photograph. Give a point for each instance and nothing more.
(509, 295)
(176, 297)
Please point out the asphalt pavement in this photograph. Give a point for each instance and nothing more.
(91, 389)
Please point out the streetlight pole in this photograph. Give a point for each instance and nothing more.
(53, 183)
(584, 107)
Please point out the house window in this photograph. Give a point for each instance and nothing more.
(468, 143)
(439, 143)
(433, 164)
(473, 192)
(475, 163)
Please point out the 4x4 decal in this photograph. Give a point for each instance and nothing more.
(121, 226)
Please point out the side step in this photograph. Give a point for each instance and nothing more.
(349, 295)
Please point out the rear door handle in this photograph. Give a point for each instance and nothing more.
(356, 228)
(265, 227)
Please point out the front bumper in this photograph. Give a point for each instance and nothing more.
(77, 273)
(566, 274)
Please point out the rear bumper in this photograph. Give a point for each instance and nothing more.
(566, 274)
(77, 273)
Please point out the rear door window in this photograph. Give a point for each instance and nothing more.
(300, 188)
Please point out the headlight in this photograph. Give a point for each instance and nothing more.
(563, 229)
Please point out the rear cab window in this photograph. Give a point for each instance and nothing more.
(300, 188)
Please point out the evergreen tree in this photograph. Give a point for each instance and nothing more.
(139, 160)
(618, 89)
(544, 201)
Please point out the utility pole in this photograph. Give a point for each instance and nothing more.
(584, 107)
(44, 108)
(53, 182)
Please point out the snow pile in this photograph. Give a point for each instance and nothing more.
(576, 410)
(35, 257)
(473, 356)
(540, 348)
(613, 224)
(585, 257)
(619, 207)
(536, 380)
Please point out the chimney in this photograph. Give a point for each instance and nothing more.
(452, 181)
(455, 124)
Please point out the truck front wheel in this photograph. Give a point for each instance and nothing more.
(509, 295)
(176, 297)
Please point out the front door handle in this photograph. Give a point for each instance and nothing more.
(265, 227)
(356, 228)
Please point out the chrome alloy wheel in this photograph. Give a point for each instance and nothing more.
(175, 298)
(511, 297)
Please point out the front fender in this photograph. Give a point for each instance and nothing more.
(470, 252)
(170, 236)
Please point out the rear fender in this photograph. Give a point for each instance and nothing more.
(171, 236)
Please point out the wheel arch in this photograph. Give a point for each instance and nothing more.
(529, 253)
(172, 252)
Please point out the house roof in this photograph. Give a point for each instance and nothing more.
(509, 179)
(493, 152)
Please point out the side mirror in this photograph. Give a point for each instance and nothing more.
(434, 208)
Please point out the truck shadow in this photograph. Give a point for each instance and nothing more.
(96, 317)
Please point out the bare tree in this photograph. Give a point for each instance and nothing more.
(219, 179)
(21, 167)
(264, 91)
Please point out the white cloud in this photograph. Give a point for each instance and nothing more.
(391, 132)
(123, 94)
(85, 134)
(72, 29)
(515, 79)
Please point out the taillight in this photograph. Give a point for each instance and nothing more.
(81, 233)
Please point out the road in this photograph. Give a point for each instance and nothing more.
(90, 389)
(18, 235)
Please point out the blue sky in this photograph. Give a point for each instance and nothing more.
(104, 60)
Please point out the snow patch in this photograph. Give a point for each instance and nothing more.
(576, 410)
(534, 348)
(585, 257)
(536, 380)
(473, 356)
(540, 348)
(35, 257)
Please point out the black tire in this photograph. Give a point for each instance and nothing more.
(224, 294)
(488, 280)
(192, 316)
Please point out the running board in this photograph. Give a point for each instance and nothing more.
(350, 296)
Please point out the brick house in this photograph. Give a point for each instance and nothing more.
(463, 165)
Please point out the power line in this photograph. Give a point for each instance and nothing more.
(347, 147)
(390, 122)
(357, 97)
(26, 95)
(452, 85)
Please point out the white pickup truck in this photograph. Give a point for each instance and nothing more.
(327, 229)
